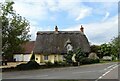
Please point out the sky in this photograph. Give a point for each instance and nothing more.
(99, 19)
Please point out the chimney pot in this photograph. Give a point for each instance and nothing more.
(38, 33)
(56, 29)
(82, 29)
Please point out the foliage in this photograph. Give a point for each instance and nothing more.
(89, 61)
(82, 59)
(94, 48)
(49, 64)
(29, 65)
(110, 49)
(105, 50)
(115, 45)
(14, 29)
(63, 64)
(75, 63)
(79, 55)
(59, 64)
(56, 62)
(68, 57)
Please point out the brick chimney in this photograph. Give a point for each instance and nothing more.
(82, 29)
(56, 29)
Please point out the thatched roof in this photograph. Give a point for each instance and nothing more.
(51, 42)
(27, 47)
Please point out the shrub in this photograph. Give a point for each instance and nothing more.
(56, 63)
(63, 64)
(33, 65)
(86, 61)
(89, 61)
(49, 64)
(75, 63)
(114, 57)
(29, 65)
(96, 60)
(21, 66)
(60, 62)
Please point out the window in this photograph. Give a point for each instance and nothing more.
(45, 57)
(36, 58)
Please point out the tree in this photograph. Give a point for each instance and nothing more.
(79, 55)
(68, 57)
(115, 44)
(105, 50)
(15, 29)
(94, 48)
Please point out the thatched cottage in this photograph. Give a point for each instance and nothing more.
(26, 54)
(52, 45)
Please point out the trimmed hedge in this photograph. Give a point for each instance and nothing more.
(89, 61)
(56, 64)
(75, 64)
(29, 65)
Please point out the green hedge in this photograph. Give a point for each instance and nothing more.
(49, 64)
(56, 64)
(29, 65)
(89, 61)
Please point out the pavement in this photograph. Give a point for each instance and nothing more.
(94, 71)
(11, 64)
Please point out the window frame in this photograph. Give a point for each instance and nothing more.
(45, 57)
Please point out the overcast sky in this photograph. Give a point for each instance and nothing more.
(99, 19)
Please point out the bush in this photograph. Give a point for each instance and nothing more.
(86, 61)
(21, 66)
(29, 65)
(89, 61)
(63, 64)
(33, 65)
(56, 63)
(49, 64)
(96, 60)
(75, 63)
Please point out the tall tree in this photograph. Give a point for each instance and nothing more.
(115, 44)
(15, 29)
(105, 50)
(94, 48)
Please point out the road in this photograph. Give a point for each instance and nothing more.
(94, 71)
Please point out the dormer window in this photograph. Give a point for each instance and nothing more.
(68, 46)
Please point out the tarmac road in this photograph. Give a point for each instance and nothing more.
(94, 71)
